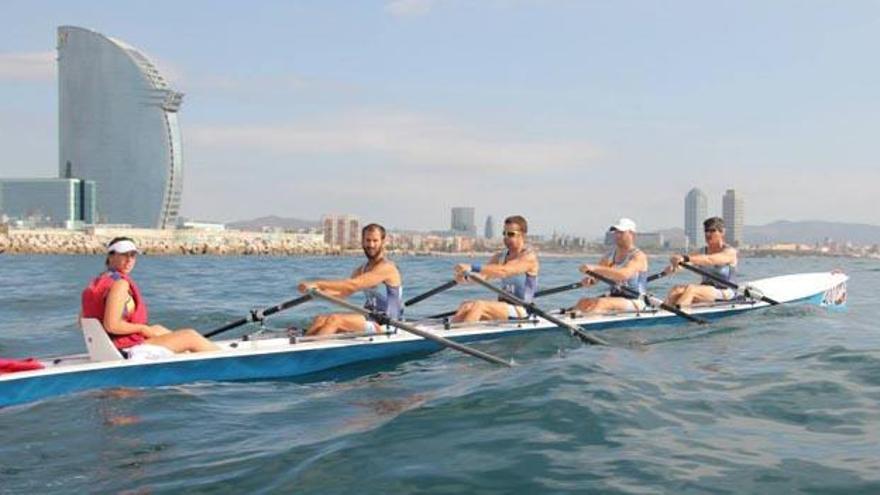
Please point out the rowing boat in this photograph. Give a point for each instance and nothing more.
(249, 358)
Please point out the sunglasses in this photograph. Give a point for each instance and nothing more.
(709, 231)
(510, 233)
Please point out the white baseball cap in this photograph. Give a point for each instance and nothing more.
(122, 247)
(623, 225)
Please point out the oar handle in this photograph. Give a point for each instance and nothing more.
(385, 320)
(446, 314)
(436, 290)
(651, 300)
(575, 330)
(259, 314)
(726, 283)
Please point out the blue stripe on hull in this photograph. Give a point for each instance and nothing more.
(277, 365)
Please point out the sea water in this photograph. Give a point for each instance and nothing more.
(776, 401)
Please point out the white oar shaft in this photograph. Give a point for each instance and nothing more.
(412, 329)
(573, 329)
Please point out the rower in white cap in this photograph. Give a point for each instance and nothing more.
(625, 264)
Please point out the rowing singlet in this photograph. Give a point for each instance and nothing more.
(726, 272)
(638, 282)
(390, 302)
(522, 285)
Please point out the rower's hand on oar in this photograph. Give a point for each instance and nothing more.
(585, 268)
(675, 262)
(461, 272)
(305, 287)
(588, 281)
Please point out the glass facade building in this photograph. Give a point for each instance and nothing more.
(732, 212)
(52, 202)
(695, 211)
(489, 231)
(118, 127)
(463, 220)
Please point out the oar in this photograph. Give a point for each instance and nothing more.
(573, 329)
(432, 292)
(657, 276)
(439, 316)
(383, 319)
(747, 291)
(259, 314)
(560, 288)
(653, 301)
(578, 285)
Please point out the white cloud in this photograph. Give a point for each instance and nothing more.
(417, 141)
(32, 66)
(404, 8)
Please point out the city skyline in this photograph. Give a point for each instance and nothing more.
(313, 110)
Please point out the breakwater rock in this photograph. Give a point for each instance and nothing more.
(163, 242)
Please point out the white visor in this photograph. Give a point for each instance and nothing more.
(122, 247)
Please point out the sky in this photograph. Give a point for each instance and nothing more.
(572, 113)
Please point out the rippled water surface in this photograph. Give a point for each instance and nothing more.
(782, 400)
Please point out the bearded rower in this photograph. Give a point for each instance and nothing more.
(625, 264)
(517, 267)
(717, 258)
(378, 278)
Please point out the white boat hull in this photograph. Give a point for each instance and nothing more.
(281, 357)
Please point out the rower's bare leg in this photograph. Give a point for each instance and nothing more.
(471, 311)
(674, 294)
(587, 304)
(601, 305)
(338, 323)
(183, 341)
(696, 294)
(319, 322)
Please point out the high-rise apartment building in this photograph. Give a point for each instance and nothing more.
(463, 220)
(695, 211)
(342, 230)
(732, 212)
(489, 231)
(117, 126)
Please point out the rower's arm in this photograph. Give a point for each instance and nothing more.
(638, 263)
(385, 272)
(113, 308)
(725, 257)
(461, 268)
(526, 264)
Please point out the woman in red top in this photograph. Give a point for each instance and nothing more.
(115, 299)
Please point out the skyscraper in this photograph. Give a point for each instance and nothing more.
(732, 213)
(695, 211)
(489, 232)
(117, 126)
(463, 220)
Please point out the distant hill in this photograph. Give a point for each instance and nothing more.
(812, 231)
(273, 221)
(805, 232)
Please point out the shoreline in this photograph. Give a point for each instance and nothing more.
(240, 243)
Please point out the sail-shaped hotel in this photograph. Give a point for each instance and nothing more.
(118, 127)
